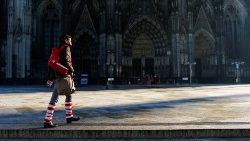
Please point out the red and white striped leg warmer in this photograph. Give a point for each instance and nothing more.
(49, 115)
(68, 108)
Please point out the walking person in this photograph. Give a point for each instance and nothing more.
(65, 60)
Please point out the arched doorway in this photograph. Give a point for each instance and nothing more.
(235, 14)
(205, 56)
(85, 57)
(143, 56)
(48, 31)
(145, 50)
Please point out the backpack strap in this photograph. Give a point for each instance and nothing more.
(60, 49)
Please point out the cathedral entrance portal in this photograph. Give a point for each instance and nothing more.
(143, 57)
(144, 50)
(84, 57)
(205, 57)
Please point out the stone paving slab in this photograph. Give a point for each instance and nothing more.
(125, 134)
(137, 108)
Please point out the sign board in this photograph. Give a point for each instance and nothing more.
(185, 78)
(84, 79)
(111, 79)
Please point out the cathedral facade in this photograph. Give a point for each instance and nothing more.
(128, 40)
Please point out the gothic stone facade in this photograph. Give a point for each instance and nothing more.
(128, 39)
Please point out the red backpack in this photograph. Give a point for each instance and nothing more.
(54, 63)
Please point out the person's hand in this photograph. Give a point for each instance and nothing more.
(49, 83)
(73, 75)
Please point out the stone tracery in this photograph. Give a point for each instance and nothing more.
(176, 29)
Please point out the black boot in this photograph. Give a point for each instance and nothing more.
(69, 120)
(49, 125)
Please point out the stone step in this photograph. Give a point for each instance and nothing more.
(123, 134)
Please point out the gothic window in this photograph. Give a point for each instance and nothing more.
(110, 43)
(209, 10)
(232, 28)
(50, 28)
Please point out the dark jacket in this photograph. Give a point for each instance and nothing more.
(65, 60)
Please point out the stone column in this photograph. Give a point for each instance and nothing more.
(191, 55)
(27, 37)
(8, 52)
(220, 51)
(19, 38)
(178, 61)
(176, 45)
(191, 47)
(102, 54)
(118, 39)
(118, 45)
(174, 54)
(102, 40)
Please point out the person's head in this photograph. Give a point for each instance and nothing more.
(66, 39)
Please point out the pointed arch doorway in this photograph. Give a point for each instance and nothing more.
(205, 56)
(143, 56)
(85, 57)
(48, 30)
(144, 50)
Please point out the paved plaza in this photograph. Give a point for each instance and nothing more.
(131, 107)
(189, 107)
